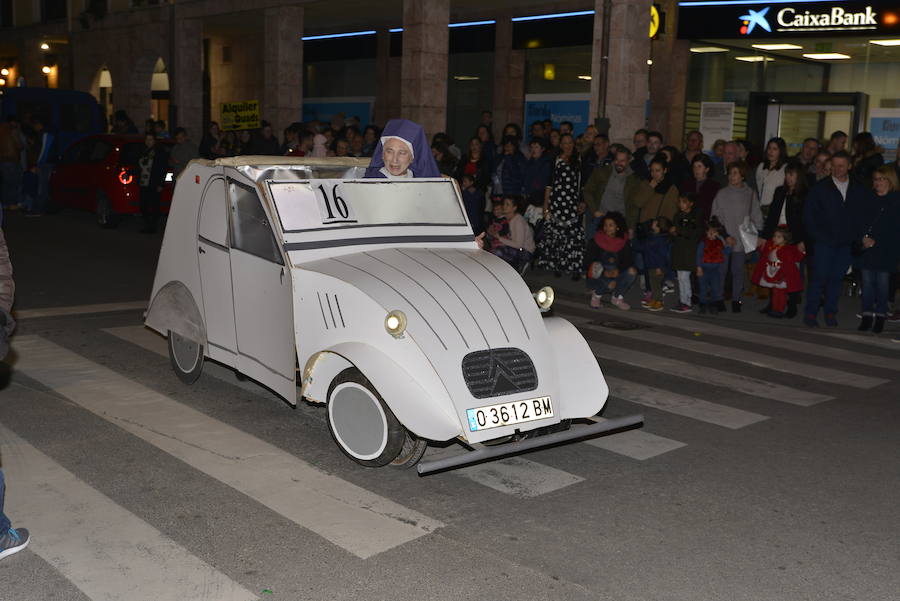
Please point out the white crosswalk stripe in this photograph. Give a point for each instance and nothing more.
(749, 336)
(514, 476)
(79, 310)
(105, 551)
(637, 444)
(351, 517)
(708, 375)
(679, 404)
(779, 364)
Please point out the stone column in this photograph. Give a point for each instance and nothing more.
(423, 73)
(282, 93)
(627, 87)
(186, 77)
(668, 80)
(509, 79)
(386, 80)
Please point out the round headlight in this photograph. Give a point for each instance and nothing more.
(544, 298)
(395, 323)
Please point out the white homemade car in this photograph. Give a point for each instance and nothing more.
(372, 297)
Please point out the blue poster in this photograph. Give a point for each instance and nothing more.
(885, 127)
(558, 108)
(322, 109)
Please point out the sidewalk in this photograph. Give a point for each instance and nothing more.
(848, 307)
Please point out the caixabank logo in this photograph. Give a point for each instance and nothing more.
(791, 19)
(754, 18)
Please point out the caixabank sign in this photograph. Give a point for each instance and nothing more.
(699, 19)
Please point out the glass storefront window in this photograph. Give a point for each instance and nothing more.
(557, 70)
(470, 89)
(339, 78)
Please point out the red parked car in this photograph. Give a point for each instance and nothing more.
(100, 173)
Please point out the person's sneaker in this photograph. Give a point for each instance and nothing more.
(735, 306)
(895, 316)
(810, 321)
(680, 308)
(596, 300)
(655, 306)
(831, 320)
(668, 288)
(878, 326)
(619, 302)
(648, 296)
(645, 303)
(13, 541)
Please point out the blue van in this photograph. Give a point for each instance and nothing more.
(71, 115)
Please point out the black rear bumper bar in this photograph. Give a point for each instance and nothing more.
(513, 448)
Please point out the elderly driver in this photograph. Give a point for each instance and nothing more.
(402, 152)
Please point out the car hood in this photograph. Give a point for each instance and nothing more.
(455, 300)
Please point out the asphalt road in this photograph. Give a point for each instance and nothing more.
(768, 467)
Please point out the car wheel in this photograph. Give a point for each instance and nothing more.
(186, 357)
(412, 451)
(106, 218)
(362, 425)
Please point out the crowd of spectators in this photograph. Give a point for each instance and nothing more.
(712, 224)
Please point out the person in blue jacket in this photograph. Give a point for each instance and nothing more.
(403, 151)
(831, 220)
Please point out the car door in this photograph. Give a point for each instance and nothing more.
(68, 188)
(215, 273)
(263, 298)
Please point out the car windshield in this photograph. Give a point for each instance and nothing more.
(329, 203)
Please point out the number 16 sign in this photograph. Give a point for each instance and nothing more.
(333, 208)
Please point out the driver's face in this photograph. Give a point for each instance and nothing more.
(397, 157)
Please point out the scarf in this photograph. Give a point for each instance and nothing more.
(613, 245)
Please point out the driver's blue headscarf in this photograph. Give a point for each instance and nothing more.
(422, 165)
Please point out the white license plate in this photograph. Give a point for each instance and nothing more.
(507, 414)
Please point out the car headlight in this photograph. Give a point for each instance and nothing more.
(544, 298)
(395, 323)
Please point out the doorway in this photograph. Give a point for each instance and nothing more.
(797, 116)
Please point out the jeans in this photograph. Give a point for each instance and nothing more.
(875, 286)
(517, 257)
(4, 521)
(600, 286)
(11, 175)
(736, 260)
(684, 287)
(829, 267)
(711, 282)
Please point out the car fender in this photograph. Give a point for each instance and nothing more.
(174, 308)
(582, 388)
(416, 409)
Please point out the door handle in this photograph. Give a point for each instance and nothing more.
(201, 250)
(282, 275)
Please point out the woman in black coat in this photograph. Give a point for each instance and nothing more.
(152, 167)
(787, 207)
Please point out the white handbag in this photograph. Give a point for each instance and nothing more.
(749, 235)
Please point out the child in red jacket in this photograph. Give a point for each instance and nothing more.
(777, 269)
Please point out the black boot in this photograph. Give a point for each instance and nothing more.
(879, 324)
(735, 306)
(866, 323)
(791, 310)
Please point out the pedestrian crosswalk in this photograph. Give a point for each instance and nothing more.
(329, 506)
(105, 551)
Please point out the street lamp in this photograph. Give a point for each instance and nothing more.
(45, 46)
(45, 70)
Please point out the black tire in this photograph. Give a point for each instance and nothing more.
(354, 410)
(186, 357)
(413, 450)
(106, 218)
